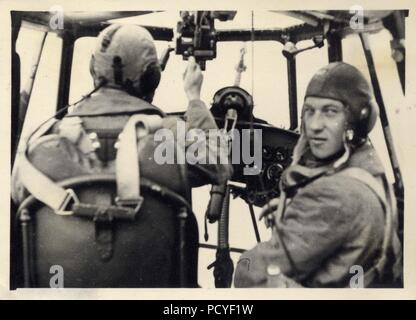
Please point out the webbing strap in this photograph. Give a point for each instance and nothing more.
(127, 175)
(127, 159)
(43, 188)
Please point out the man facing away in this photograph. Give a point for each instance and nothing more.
(126, 74)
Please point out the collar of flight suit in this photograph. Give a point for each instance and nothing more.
(110, 101)
(310, 169)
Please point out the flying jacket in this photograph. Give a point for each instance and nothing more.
(107, 111)
(331, 224)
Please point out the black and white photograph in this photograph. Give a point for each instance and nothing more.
(252, 148)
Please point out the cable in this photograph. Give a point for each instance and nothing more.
(60, 111)
(253, 219)
(278, 232)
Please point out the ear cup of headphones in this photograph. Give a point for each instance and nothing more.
(373, 114)
(365, 121)
(361, 125)
(146, 85)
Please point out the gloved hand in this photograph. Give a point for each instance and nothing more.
(192, 80)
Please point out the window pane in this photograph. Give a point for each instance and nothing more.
(43, 99)
(81, 80)
(390, 88)
(270, 78)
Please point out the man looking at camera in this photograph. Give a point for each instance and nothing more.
(336, 211)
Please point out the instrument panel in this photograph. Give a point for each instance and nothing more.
(276, 155)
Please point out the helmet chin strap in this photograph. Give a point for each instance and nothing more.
(346, 155)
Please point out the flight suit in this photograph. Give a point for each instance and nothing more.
(143, 252)
(103, 116)
(332, 224)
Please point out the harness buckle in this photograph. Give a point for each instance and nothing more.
(131, 203)
(70, 196)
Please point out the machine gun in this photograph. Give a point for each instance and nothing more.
(197, 36)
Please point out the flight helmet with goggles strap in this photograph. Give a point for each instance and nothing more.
(125, 57)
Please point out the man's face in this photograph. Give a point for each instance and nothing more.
(324, 121)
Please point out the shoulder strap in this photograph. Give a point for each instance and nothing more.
(386, 197)
(127, 159)
(41, 187)
(128, 185)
